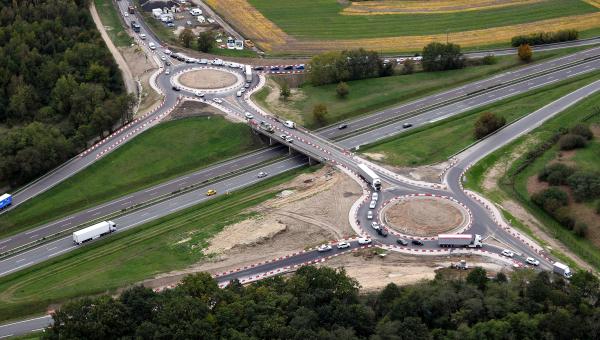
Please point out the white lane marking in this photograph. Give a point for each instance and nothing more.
(16, 268)
(51, 249)
(32, 236)
(21, 260)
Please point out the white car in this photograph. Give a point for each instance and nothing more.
(364, 240)
(217, 100)
(508, 253)
(167, 51)
(375, 196)
(343, 245)
(199, 94)
(143, 36)
(532, 261)
(372, 204)
(248, 115)
(370, 215)
(125, 14)
(375, 225)
(163, 58)
(262, 174)
(323, 248)
(167, 71)
(152, 45)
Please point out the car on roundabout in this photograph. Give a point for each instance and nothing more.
(343, 245)
(370, 215)
(324, 248)
(375, 225)
(199, 94)
(507, 253)
(176, 88)
(364, 240)
(167, 71)
(383, 232)
(211, 192)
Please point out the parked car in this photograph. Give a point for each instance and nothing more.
(532, 261)
(323, 248)
(343, 245)
(507, 253)
(364, 240)
(417, 242)
(401, 242)
(262, 174)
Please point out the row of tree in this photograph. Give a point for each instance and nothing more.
(334, 67)
(59, 85)
(541, 38)
(325, 304)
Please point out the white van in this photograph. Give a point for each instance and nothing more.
(195, 11)
(289, 124)
(239, 93)
(152, 45)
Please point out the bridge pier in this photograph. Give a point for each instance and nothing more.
(312, 161)
(271, 141)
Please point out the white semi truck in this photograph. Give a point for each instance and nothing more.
(370, 176)
(94, 232)
(460, 240)
(248, 72)
(562, 269)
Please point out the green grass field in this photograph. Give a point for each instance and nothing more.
(429, 144)
(510, 187)
(123, 259)
(373, 94)
(321, 19)
(163, 152)
(114, 26)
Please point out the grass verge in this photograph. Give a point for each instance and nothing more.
(514, 187)
(428, 144)
(369, 95)
(111, 20)
(170, 243)
(161, 153)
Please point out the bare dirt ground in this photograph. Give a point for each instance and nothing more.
(196, 109)
(427, 173)
(142, 67)
(207, 79)
(310, 210)
(276, 105)
(424, 216)
(380, 7)
(374, 272)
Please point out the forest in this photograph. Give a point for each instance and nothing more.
(59, 86)
(324, 303)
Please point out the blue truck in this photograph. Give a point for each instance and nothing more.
(5, 201)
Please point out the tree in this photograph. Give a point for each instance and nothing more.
(186, 37)
(555, 173)
(550, 199)
(524, 52)
(478, 278)
(440, 57)
(319, 114)
(571, 141)
(585, 185)
(206, 41)
(408, 67)
(487, 123)
(285, 91)
(583, 131)
(342, 89)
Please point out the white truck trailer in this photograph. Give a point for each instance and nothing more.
(248, 72)
(94, 232)
(369, 176)
(562, 269)
(460, 240)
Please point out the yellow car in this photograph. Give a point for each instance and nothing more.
(211, 192)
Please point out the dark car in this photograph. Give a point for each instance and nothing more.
(401, 242)
(259, 68)
(342, 126)
(383, 232)
(300, 67)
(168, 63)
(417, 242)
(289, 67)
(274, 68)
(176, 88)
(406, 125)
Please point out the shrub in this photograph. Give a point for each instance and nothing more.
(320, 114)
(206, 41)
(342, 89)
(408, 66)
(489, 60)
(585, 185)
(555, 174)
(583, 131)
(525, 53)
(285, 91)
(488, 123)
(550, 199)
(545, 37)
(563, 217)
(580, 229)
(571, 141)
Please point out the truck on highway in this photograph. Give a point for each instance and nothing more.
(94, 232)
(460, 240)
(248, 72)
(135, 26)
(5, 201)
(369, 176)
(562, 269)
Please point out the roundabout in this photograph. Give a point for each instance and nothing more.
(424, 216)
(209, 79)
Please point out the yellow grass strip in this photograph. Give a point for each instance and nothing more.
(250, 21)
(595, 3)
(468, 38)
(385, 7)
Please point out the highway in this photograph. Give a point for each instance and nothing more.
(321, 147)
